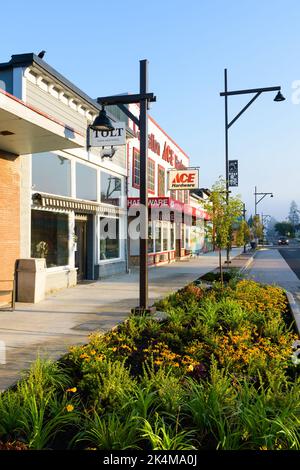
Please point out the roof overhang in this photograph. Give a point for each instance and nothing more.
(24, 129)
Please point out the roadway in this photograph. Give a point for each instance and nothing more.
(291, 254)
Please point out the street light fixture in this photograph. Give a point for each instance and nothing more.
(143, 98)
(256, 92)
(102, 122)
(257, 201)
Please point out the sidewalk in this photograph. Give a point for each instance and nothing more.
(269, 267)
(66, 318)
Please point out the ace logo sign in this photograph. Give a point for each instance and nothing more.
(183, 179)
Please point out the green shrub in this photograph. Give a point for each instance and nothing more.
(162, 436)
(110, 432)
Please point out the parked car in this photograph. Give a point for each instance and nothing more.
(283, 241)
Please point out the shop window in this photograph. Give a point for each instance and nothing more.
(109, 238)
(51, 173)
(187, 238)
(150, 238)
(151, 175)
(49, 237)
(165, 237)
(172, 237)
(136, 168)
(158, 234)
(110, 189)
(186, 197)
(86, 182)
(183, 236)
(161, 181)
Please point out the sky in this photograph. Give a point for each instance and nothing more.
(98, 44)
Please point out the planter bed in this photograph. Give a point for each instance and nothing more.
(218, 371)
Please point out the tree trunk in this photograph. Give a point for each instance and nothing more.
(220, 266)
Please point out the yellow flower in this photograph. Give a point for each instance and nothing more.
(69, 408)
(114, 349)
(191, 367)
(93, 352)
(72, 390)
(83, 356)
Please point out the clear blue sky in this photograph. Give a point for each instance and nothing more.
(98, 45)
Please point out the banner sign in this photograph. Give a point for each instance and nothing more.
(183, 179)
(233, 173)
(115, 137)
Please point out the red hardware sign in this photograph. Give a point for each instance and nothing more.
(183, 179)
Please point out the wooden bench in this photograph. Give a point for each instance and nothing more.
(10, 306)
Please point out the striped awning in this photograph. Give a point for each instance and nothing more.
(59, 202)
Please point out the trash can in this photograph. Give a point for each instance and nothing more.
(253, 245)
(31, 280)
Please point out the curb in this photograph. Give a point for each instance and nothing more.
(250, 261)
(295, 309)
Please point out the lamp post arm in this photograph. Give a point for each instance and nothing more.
(243, 110)
(126, 99)
(261, 199)
(251, 90)
(263, 196)
(129, 114)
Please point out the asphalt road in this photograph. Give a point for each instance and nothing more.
(291, 254)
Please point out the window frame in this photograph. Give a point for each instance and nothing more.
(160, 167)
(111, 260)
(136, 151)
(151, 161)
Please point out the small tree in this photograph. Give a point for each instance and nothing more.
(223, 215)
(257, 228)
(243, 234)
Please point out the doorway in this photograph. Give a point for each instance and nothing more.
(81, 251)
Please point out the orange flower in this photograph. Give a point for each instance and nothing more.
(72, 390)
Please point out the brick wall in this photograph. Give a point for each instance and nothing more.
(9, 219)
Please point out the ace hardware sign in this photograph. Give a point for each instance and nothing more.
(184, 179)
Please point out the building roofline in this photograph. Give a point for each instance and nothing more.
(25, 60)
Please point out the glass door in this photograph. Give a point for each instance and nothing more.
(81, 252)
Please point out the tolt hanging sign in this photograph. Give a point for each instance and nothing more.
(116, 136)
(183, 179)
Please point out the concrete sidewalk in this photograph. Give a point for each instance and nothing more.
(68, 317)
(269, 267)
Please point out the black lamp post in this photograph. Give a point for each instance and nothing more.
(244, 219)
(143, 98)
(252, 91)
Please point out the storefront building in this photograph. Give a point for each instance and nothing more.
(65, 193)
(171, 217)
(199, 231)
